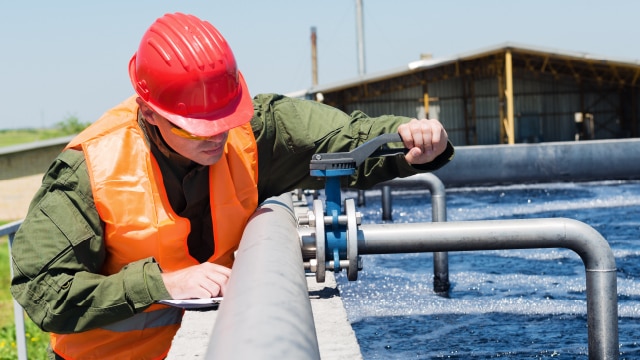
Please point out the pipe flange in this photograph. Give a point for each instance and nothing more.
(318, 210)
(352, 239)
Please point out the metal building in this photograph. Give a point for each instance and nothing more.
(505, 94)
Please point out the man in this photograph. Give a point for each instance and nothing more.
(150, 201)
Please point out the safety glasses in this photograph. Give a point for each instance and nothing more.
(177, 130)
(185, 134)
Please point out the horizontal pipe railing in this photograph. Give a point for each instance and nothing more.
(18, 313)
(266, 311)
(593, 249)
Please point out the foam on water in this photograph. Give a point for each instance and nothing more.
(504, 303)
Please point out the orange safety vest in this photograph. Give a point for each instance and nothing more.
(129, 195)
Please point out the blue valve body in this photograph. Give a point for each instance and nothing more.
(333, 165)
(336, 234)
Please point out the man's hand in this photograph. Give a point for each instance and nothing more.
(205, 280)
(425, 139)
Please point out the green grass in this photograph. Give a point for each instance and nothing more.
(37, 340)
(15, 137)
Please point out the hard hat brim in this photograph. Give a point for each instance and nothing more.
(236, 113)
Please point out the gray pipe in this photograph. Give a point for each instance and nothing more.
(387, 208)
(266, 312)
(441, 284)
(543, 162)
(18, 313)
(593, 249)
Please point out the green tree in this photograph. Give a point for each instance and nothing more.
(71, 125)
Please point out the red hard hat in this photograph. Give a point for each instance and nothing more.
(185, 71)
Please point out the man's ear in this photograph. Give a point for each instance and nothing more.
(146, 111)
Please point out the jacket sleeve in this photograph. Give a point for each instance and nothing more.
(58, 252)
(289, 131)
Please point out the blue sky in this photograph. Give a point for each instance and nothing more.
(69, 58)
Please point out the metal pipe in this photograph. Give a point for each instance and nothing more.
(386, 203)
(18, 313)
(543, 162)
(314, 56)
(266, 312)
(593, 249)
(360, 30)
(441, 284)
(361, 198)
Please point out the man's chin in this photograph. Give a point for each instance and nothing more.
(208, 160)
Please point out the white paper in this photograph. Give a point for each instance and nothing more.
(192, 303)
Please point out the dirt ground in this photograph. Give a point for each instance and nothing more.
(15, 196)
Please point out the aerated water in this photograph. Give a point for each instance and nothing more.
(514, 304)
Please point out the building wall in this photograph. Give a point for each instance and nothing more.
(544, 108)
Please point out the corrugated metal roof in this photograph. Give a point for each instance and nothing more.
(433, 63)
(546, 51)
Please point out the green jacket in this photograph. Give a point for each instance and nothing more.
(288, 131)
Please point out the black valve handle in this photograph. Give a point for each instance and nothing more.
(355, 157)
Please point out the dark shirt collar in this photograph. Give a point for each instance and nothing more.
(187, 186)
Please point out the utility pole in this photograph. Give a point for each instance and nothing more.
(314, 56)
(360, 32)
(361, 68)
